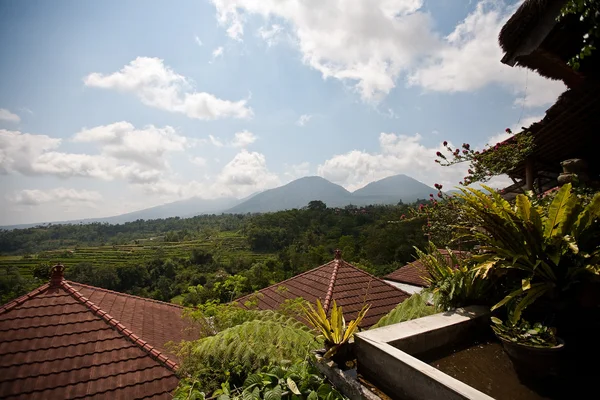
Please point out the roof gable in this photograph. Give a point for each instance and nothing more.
(337, 280)
(415, 273)
(57, 343)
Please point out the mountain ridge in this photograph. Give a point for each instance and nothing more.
(295, 194)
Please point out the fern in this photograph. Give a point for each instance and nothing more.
(270, 338)
(413, 307)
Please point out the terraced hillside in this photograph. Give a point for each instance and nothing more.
(225, 246)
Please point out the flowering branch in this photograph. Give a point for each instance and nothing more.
(499, 159)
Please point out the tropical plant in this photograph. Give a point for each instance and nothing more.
(588, 12)
(333, 330)
(547, 251)
(296, 381)
(536, 335)
(414, 307)
(268, 338)
(501, 158)
(452, 282)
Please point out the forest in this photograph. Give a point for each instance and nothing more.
(209, 257)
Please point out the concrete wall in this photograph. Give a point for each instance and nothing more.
(382, 361)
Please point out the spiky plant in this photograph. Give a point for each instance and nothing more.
(414, 307)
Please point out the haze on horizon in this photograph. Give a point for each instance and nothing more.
(112, 107)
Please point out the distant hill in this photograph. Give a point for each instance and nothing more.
(295, 194)
(183, 208)
(299, 193)
(392, 189)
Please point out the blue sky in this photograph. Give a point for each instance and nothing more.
(109, 107)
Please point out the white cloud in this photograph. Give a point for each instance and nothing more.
(399, 154)
(243, 139)
(123, 141)
(158, 86)
(198, 161)
(470, 60)
(372, 44)
(368, 43)
(135, 155)
(6, 115)
(270, 35)
(303, 120)
(198, 41)
(215, 141)
(58, 195)
(245, 174)
(218, 52)
(296, 171)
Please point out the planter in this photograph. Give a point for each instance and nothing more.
(534, 362)
(573, 169)
(345, 356)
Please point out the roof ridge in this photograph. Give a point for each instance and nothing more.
(20, 300)
(283, 282)
(119, 327)
(347, 264)
(329, 295)
(125, 294)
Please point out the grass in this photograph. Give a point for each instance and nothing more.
(224, 247)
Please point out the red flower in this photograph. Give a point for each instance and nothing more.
(430, 194)
(507, 130)
(421, 207)
(438, 186)
(470, 171)
(465, 152)
(402, 216)
(440, 194)
(445, 143)
(439, 154)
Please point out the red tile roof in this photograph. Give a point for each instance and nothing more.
(68, 340)
(337, 280)
(413, 273)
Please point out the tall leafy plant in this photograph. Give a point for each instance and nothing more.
(333, 330)
(548, 250)
(452, 281)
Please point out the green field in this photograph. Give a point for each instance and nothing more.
(224, 247)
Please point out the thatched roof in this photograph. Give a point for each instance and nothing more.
(524, 20)
(568, 130)
(533, 38)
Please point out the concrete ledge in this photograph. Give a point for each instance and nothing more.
(344, 381)
(383, 358)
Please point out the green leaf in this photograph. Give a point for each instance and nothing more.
(509, 297)
(223, 397)
(587, 216)
(253, 380)
(324, 390)
(312, 395)
(535, 292)
(496, 321)
(292, 385)
(274, 394)
(558, 211)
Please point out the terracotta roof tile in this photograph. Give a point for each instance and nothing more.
(68, 340)
(349, 286)
(413, 273)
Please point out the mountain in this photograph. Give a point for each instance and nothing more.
(183, 208)
(299, 193)
(392, 189)
(296, 194)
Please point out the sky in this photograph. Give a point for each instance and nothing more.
(115, 106)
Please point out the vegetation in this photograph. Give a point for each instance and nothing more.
(545, 253)
(588, 14)
(414, 307)
(493, 160)
(536, 335)
(334, 331)
(194, 260)
(296, 381)
(452, 281)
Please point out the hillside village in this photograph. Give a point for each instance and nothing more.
(395, 290)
